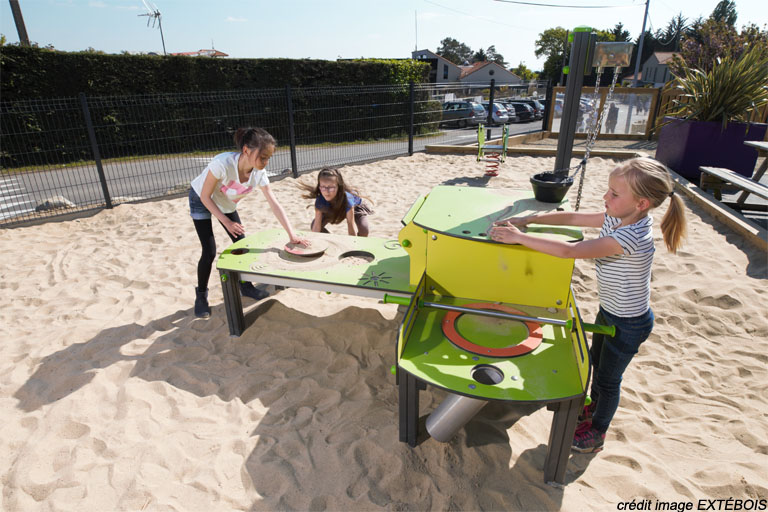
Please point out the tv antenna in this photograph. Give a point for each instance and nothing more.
(153, 14)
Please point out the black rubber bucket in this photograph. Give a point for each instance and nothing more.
(549, 187)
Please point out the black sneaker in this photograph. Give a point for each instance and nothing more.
(248, 290)
(202, 309)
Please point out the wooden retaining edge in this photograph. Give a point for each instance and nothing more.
(751, 231)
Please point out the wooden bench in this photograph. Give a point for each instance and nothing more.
(717, 178)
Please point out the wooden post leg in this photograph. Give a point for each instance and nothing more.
(233, 304)
(561, 438)
(408, 405)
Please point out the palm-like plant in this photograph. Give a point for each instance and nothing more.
(730, 92)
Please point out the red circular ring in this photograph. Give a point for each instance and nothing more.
(535, 334)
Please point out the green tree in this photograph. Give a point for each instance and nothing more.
(523, 72)
(552, 45)
(619, 33)
(715, 40)
(479, 56)
(454, 51)
(725, 11)
(495, 56)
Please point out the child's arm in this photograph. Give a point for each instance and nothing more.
(584, 219)
(598, 248)
(277, 209)
(351, 222)
(317, 225)
(209, 185)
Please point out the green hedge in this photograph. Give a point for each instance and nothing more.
(34, 73)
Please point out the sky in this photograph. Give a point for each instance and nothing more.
(333, 29)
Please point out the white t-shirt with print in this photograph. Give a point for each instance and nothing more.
(228, 190)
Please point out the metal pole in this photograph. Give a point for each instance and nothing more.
(19, 20)
(410, 122)
(291, 131)
(490, 109)
(565, 51)
(640, 45)
(576, 65)
(160, 24)
(497, 314)
(95, 149)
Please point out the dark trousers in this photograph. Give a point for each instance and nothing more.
(204, 228)
(610, 357)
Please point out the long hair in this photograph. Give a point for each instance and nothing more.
(338, 209)
(648, 178)
(253, 138)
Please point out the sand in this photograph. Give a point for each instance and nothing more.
(113, 396)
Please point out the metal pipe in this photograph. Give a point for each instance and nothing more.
(497, 314)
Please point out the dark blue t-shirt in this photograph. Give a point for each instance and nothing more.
(323, 205)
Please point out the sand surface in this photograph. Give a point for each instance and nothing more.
(114, 397)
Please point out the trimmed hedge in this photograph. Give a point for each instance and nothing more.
(35, 73)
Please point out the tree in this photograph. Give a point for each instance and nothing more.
(716, 40)
(494, 56)
(454, 51)
(619, 33)
(725, 11)
(523, 72)
(479, 56)
(551, 43)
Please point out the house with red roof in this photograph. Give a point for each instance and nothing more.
(202, 53)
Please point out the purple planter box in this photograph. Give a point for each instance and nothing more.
(685, 145)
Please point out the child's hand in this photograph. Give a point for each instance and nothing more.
(513, 221)
(505, 234)
(235, 228)
(301, 241)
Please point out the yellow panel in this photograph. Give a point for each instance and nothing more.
(409, 317)
(490, 271)
(579, 339)
(414, 240)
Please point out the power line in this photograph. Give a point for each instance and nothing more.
(566, 6)
(490, 20)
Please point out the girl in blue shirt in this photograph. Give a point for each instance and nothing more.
(335, 202)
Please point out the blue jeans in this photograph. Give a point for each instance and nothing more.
(610, 357)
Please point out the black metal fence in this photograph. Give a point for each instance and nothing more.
(61, 156)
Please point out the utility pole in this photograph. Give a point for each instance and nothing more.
(640, 45)
(19, 19)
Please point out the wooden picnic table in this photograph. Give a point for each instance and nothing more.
(762, 149)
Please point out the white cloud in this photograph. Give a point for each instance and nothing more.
(232, 19)
(100, 5)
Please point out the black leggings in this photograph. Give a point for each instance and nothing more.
(204, 228)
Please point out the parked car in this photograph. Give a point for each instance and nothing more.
(500, 114)
(463, 113)
(510, 111)
(525, 113)
(538, 108)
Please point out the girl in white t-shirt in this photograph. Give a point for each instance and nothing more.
(623, 255)
(227, 179)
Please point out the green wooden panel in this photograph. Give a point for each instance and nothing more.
(469, 212)
(550, 372)
(344, 262)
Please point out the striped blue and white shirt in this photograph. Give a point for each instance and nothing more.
(624, 281)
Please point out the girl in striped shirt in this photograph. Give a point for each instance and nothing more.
(623, 255)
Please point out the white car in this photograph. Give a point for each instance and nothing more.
(500, 113)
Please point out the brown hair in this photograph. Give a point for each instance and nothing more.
(254, 138)
(650, 179)
(338, 209)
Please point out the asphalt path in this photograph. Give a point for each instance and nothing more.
(150, 177)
